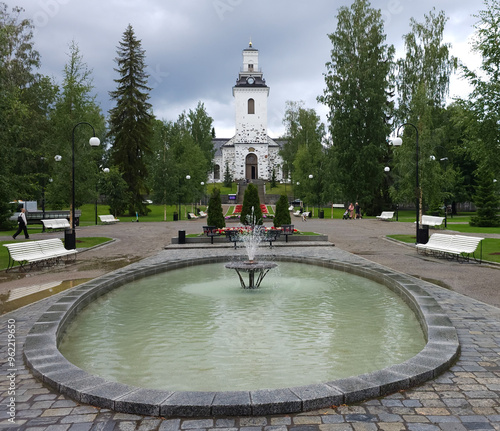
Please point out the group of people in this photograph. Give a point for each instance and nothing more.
(352, 211)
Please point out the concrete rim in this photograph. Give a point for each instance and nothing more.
(48, 365)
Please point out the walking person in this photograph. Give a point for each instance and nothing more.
(351, 211)
(358, 210)
(23, 225)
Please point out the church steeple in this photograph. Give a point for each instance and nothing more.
(250, 93)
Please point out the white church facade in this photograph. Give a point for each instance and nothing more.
(250, 154)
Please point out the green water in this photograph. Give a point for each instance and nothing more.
(197, 329)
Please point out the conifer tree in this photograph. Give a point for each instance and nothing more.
(282, 215)
(131, 120)
(486, 200)
(251, 200)
(215, 216)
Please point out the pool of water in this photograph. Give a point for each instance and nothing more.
(197, 329)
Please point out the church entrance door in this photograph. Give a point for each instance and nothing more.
(251, 171)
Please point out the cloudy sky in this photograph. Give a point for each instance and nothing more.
(194, 47)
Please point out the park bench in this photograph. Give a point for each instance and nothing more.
(272, 235)
(297, 213)
(211, 231)
(461, 247)
(108, 218)
(432, 220)
(203, 214)
(269, 236)
(55, 223)
(287, 229)
(386, 215)
(192, 216)
(34, 253)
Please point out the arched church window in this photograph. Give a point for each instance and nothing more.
(251, 106)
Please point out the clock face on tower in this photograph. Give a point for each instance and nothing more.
(250, 80)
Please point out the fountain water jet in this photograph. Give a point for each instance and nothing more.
(251, 241)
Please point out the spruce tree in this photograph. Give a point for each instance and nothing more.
(215, 216)
(282, 215)
(486, 200)
(251, 199)
(131, 121)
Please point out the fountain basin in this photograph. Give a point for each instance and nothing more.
(48, 364)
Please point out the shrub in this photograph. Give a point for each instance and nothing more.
(282, 215)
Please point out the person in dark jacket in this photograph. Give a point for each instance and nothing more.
(23, 225)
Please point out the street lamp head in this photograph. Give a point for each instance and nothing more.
(397, 142)
(202, 183)
(106, 170)
(58, 158)
(432, 158)
(311, 177)
(387, 169)
(188, 177)
(94, 142)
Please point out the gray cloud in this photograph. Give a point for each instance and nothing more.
(193, 48)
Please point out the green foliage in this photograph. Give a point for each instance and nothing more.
(75, 105)
(115, 191)
(215, 216)
(131, 121)
(228, 180)
(282, 215)
(487, 200)
(422, 83)
(357, 94)
(251, 214)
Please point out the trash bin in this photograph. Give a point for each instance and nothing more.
(182, 237)
(423, 234)
(321, 214)
(176, 216)
(69, 239)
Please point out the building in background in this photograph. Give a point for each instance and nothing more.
(250, 154)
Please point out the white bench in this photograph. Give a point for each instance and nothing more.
(108, 218)
(297, 213)
(192, 216)
(31, 253)
(386, 215)
(203, 214)
(454, 246)
(56, 223)
(432, 220)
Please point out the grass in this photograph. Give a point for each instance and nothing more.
(491, 246)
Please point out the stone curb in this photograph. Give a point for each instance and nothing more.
(48, 365)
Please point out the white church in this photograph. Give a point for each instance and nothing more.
(250, 154)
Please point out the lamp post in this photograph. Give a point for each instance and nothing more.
(310, 186)
(397, 142)
(70, 237)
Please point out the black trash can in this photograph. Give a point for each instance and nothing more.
(182, 237)
(321, 214)
(423, 234)
(69, 239)
(176, 216)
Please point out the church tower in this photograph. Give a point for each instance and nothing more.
(250, 154)
(250, 95)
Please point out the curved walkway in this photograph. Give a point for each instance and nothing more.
(466, 397)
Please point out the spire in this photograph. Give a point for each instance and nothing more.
(250, 43)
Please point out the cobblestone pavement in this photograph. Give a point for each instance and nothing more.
(466, 397)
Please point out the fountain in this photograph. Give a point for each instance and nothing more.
(251, 241)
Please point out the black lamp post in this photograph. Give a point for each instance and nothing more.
(397, 142)
(70, 237)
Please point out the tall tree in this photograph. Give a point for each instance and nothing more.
(26, 98)
(302, 126)
(200, 125)
(357, 94)
(76, 103)
(484, 101)
(131, 120)
(422, 82)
